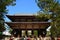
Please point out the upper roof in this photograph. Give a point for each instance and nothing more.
(28, 25)
(21, 16)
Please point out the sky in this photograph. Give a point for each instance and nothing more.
(23, 6)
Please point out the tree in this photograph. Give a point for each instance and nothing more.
(43, 16)
(3, 11)
(53, 7)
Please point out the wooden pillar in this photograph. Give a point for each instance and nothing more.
(26, 33)
(26, 27)
(32, 32)
(32, 28)
(20, 32)
(38, 32)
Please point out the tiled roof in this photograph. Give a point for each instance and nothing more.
(27, 22)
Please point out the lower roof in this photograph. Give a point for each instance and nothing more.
(18, 25)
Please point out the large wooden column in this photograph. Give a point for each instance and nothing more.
(26, 32)
(20, 32)
(32, 32)
(32, 28)
(44, 32)
(38, 32)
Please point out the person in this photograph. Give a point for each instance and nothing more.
(47, 38)
(18, 37)
(11, 37)
(25, 37)
(22, 38)
(40, 37)
(32, 37)
(28, 38)
(35, 38)
(6, 38)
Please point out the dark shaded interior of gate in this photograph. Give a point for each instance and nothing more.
(35, 32)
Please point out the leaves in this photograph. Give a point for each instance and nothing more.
(43, 16)
(52, 6)
(3, 11)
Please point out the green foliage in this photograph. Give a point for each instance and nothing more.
(3, 11)
(4, 3)
(48, 5)
(43, 16)
(35, 32)
(10, 31)
(48, 33)
(52, 6)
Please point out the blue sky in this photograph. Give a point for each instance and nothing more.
(23, 6)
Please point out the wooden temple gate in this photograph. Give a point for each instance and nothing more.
(27, 25)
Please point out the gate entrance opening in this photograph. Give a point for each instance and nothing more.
(29, 32)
